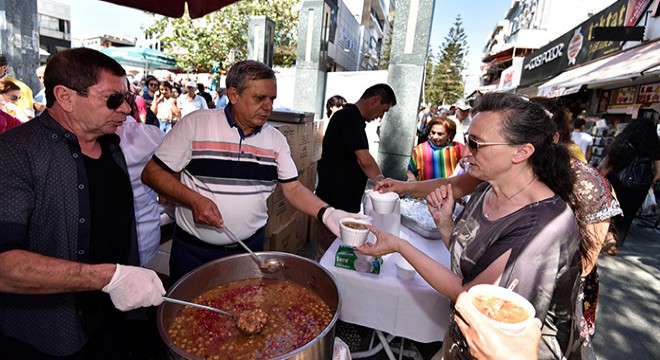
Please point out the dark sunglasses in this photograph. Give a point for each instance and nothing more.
(153, 84)
(113, 101)
(14, 98)
(475, 144)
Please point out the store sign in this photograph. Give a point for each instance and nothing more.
(510, 77)
(648, 94)
(574, 47)
(623, 96)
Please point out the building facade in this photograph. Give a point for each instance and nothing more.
(527, 26)
(54, 28)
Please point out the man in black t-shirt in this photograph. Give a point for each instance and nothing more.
(346, 163)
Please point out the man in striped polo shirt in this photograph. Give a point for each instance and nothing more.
(220, 166)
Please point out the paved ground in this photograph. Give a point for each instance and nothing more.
(628, 314)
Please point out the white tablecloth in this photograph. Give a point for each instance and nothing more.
(408, 308)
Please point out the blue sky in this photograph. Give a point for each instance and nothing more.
(479, 18)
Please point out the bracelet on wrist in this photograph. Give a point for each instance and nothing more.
(322, 211)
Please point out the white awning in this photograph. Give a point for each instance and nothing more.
(638, 61)
(624, 66)
(565, 83)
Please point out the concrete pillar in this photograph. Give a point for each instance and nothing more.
(410, 41)
(261, 39)
(19, 39)
(311, 57)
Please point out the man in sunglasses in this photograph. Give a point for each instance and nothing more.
(25, 101)
(69, 263)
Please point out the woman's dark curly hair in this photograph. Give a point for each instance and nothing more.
(582, 205)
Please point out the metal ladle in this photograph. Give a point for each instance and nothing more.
(247, 323)
(271, 265)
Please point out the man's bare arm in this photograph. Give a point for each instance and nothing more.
(24, 272)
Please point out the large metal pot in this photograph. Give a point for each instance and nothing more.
(299, 270)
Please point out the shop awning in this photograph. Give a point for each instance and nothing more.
(627, 65)
(643, 60)
(565, 83)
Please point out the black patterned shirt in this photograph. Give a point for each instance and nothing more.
(44, 208)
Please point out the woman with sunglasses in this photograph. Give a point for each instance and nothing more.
(517, 224)
(164, 107)
(10, 94)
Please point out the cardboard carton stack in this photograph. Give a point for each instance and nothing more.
(288, 229)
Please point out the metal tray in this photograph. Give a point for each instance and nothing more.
(416, 217)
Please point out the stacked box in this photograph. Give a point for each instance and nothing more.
(289, 236)
(281, 214)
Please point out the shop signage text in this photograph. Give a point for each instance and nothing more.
(575, 48)
(547, 56)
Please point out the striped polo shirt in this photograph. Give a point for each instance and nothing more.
(236, 172)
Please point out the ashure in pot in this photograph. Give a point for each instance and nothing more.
(240, 273)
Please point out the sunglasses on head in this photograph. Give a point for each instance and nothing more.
(475, 144)
(14, 98)
(113, 101)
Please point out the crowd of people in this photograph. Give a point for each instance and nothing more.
(82, 169)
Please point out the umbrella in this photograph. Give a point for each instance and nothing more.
(175, 8)
(140, 57)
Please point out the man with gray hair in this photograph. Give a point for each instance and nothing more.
(220, 166)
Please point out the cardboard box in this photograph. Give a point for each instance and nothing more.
(289, 236)
(302, 156)
(305, 133)
(290, 132)
(348, 258)
(279, 210)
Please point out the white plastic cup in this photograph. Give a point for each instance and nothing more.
(384, 203)
(404, 270)
(508, 295)
(350, 236)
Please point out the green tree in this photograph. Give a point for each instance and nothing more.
(447, 84)
(221, 37)
(384, 62)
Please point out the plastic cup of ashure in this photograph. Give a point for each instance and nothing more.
(353, 232)
(404, 270)
(501, 307)
(384, 203)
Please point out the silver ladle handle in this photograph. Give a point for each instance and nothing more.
(181, 302)
(234, 238)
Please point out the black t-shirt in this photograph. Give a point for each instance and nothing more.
(341, 180)
(110, 198)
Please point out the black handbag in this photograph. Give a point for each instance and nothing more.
(638, 174)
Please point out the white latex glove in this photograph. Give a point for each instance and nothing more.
(332, 216)
(132, 287)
